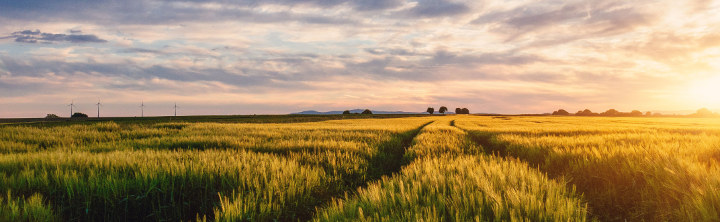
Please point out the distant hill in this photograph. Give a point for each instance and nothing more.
(313, 112)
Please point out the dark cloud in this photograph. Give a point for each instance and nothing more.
(175, 12)
(369, 5)
(361, 5)
(29, 36)
(171, 14)
(167, 11)
(438, 8)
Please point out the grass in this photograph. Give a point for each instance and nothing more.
(654, 169)
(32, 208)
(155, 185)
(446, 182)
(361, 167)
(180, 171)
(462, 188)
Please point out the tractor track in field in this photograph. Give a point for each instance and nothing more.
(393, 163)
(499, 149)
(380, 165)
(485, 141)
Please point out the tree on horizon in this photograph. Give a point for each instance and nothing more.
(585, 112)
(430, 110)
(442, 110)
(79, 115)
(611, 112)
(704, 112)
(561, 112)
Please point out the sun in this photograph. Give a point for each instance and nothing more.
(706, 91)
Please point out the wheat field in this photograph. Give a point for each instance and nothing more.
(432, 168)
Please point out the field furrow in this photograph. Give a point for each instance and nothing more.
(179, 171)
(447, 181)
(627, 168)
(432, 168)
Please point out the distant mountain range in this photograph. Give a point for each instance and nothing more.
(313, 112)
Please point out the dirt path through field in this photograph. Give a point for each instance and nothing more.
(389, 160)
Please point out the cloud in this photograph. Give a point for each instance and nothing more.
(553, 20)
(349, 12)
(438, 8)
(442, 57)
(131, 75)
(677, 51)
(176, 12)
(29, 36)
(507, 55)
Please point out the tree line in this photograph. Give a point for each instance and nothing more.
(366, 111)
(444, 109)
(430, 110)
(704, 112)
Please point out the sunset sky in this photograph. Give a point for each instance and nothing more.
(283, 56)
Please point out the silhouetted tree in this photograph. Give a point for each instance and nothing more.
(610, 112)
(79, 115)
(51, 116)
(346, 112)
(648, 113)
(442, 109)
(703, 112)
(430, 110)
(585, 112)
(636, 113)
(561, 112)
(462, 111)
(366, 111)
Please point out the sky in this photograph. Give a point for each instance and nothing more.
(280, 56)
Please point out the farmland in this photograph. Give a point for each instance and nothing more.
(326, 168)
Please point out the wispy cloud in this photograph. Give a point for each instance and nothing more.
(29, 36)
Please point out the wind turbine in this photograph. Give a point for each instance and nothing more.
(142, 109)
(175, 109)
(72, 104)
(98, 108)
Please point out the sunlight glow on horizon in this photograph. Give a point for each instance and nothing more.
(706, 92)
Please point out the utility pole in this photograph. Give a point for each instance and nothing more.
(176, 109)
